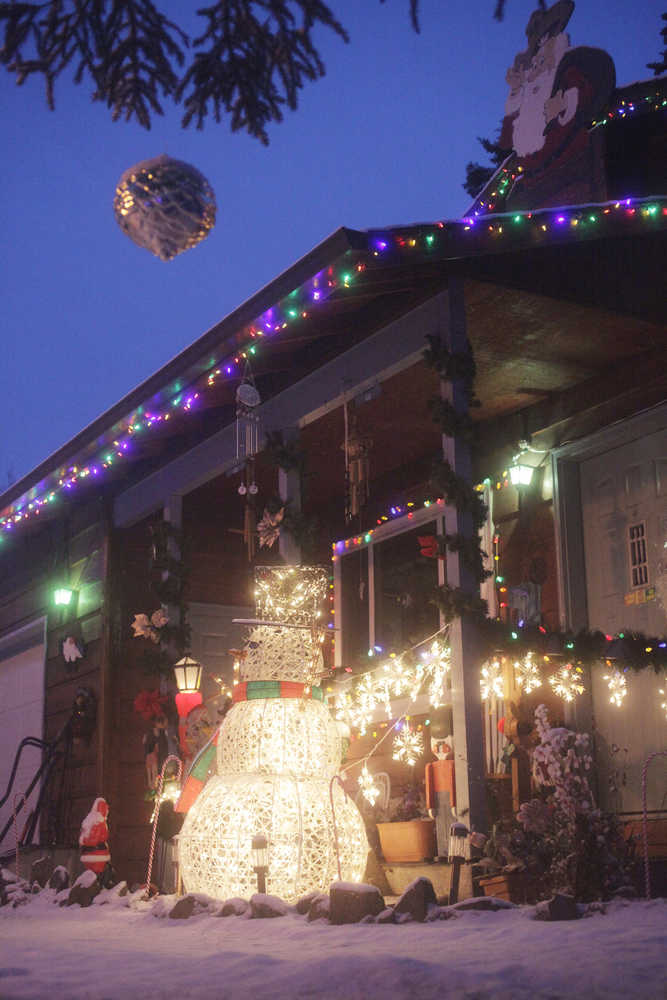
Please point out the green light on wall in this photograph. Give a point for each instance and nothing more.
(64, 597)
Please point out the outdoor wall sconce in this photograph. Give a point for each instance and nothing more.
(521, 475)
(260, 859)
(188, 679)
(66, 599)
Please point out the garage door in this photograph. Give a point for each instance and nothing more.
(22, 656)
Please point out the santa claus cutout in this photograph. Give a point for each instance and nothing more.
(555, 92)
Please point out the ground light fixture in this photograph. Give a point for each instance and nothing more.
(260, 859)
(188, 680)
(458, 835)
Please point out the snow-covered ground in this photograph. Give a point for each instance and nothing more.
(121, 951)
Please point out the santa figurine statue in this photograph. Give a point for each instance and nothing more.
(94, 838)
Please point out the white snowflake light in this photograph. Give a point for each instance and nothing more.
(369, 789)
(491, 681)
(408, 746)
(527, 673)
(617, 687)
(566, 682)
(663, 706)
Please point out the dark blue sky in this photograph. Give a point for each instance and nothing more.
(382, 139)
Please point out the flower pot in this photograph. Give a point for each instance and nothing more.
(515, 887)
(413, 840)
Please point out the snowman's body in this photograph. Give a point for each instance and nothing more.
(278, 750)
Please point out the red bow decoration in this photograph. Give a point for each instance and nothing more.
(150, 704)
(428, 546)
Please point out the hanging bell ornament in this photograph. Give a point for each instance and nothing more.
(253, 489)
(165, 206)
(243, 489)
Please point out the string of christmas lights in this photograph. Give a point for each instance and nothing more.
(445, 237)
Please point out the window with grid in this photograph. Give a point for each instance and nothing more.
(638, 561)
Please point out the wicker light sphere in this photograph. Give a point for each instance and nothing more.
(278, 750)
(165, 206)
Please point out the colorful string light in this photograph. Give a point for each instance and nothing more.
(442, 237)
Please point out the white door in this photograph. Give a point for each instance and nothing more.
(624, 507)
(22, 658)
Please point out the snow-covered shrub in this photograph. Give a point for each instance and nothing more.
(561, 836)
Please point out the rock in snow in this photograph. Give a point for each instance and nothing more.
(416, 899)
(349, 902)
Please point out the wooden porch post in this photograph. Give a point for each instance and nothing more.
(464, 639)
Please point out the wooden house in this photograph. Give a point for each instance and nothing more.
(564, 309)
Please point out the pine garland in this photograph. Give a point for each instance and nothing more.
(457, 366)
(588, 648)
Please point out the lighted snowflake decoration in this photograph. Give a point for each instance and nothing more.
(663, 706)
(527, 674)
(408, 746)
(491, 681)
(436, 670)
(618, 687)
(566, 682)
(369, 789)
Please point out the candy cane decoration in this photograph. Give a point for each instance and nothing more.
(647, 874)
(158, 799)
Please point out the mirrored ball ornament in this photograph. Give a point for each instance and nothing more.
(164, 205)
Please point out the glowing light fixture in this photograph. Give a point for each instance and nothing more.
(521, 475)
(260, 859)
(188, 675)
(188, 679)
(65, 597)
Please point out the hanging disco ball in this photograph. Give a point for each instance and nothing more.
(164, 205)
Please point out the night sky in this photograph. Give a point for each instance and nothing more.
(383, 139)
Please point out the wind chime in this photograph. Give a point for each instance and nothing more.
(247, 446)
(357, 467)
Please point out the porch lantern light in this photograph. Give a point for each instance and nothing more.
(188, 679)
(260, 859)
(65, 597)
(520, 474)
(188, 675)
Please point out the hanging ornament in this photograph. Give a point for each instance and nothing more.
(617, 687)
(408, 746)
(527, 673)
(566, 682)
(357, 469)
(268, 528)
(165, 206)
(369, 789)
(491, 681)
(247, 416)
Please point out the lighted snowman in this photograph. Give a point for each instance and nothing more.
(278, 751)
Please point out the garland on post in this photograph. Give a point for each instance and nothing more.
(457, 366)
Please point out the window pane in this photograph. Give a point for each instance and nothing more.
(354, 585)
(404, 583)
